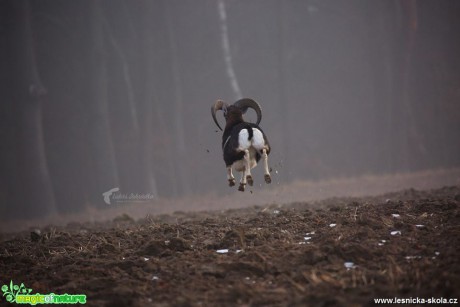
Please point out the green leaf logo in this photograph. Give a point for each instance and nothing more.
(10, 292)
(9, 298)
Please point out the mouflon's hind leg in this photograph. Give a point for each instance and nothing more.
(243, 180)
(247, 165)
(267, 176)
(230, 177)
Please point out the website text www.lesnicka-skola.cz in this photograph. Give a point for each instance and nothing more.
(416, 300)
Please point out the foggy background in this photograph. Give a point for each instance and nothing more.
(104, 94)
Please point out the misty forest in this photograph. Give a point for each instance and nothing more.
(104, 94)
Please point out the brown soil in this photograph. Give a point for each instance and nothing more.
(278, 255)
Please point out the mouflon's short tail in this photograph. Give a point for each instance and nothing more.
(250, 132)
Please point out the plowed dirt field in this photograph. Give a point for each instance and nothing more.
(335, 252)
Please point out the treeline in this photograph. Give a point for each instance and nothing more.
(103, 94)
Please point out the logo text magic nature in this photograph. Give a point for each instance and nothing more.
(19, 294)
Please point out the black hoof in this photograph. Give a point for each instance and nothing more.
(268, 179)
(241, 187)
(231, 182)
(250, 180)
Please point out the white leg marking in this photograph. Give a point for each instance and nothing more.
(247, 166)
(246, 170)
(242, 181)
(230, 177)
(265, 159)
(268, 179)
(243, 177)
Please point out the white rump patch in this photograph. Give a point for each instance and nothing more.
(243, 140)
(257, 140)
(257, 143)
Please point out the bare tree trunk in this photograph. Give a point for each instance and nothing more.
(398, 127)
(406, 144)
(381, 64)
(35, 182)
(134, 139)
(148, 100)
(147, 147)
(167, 170)
(180, 153)
(105, 171)
(134, 122)
(227, 50)
(413, 143)
(283, 98)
